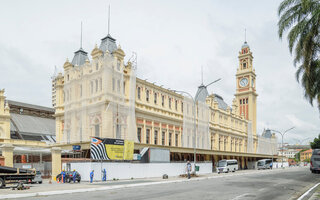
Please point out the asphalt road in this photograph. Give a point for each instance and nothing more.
(265, 185)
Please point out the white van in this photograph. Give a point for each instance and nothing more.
(227, 166)
(264, 164)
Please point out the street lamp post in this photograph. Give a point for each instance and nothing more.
(195, 120)
(194, 126)
(282, 135)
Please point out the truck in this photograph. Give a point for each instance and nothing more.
(15, 175)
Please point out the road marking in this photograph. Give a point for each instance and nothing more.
(240, 196)
(307, 192)
(58, 192)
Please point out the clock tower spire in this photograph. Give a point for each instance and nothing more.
(246, 95)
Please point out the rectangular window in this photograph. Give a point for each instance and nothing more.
(176, 104)
(147, 95)
(97, 66)
(155, 98)
(162, 97)
(118, 65)
(163, 137)
(97, 130)
(113, 84)
(247, 101)
(100, 83)
(139, 134)
(148, 136)
(240, 101)
(80, 90)
(139, 93)
(118, 131)
(118, 88)
(155, 137)
(177, 135)
(170, 103)
(124, 87)
(170, 138)
(97, 85)
(91, 87)
(181, 106)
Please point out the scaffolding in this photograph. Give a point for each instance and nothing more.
(202, 134)
(100, 100)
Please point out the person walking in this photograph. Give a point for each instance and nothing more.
(74, 175)
(271, 165)
(104, 177)
(91, 176)
(189, 169)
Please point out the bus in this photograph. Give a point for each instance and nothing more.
(227, 166)
(264, 164)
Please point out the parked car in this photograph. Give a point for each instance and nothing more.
(37, 178)
(315, 161)
(69, 177)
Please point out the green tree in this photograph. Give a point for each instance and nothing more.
(316, 143)
(301, 18)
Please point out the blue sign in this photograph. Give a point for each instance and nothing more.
(76, 147)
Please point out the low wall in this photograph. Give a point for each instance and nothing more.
(133, 170)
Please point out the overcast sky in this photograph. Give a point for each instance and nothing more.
(173, 39)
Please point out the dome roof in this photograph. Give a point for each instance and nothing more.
(80, 57)
(108, 43)
(202, 93)
(245, 45)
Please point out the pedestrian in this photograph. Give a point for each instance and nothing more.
(271, 165)
(189, 168)
(104, 177)
(74, 175)
(63, 176)
(91, 176)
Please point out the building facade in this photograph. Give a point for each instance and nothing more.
(102, 97)
(305, 155)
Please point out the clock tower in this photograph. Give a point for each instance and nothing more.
(246, 95)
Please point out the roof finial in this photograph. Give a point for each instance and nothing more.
(109, 20)
(245, 35)
(81, 37)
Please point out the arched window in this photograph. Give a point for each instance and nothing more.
(155, 98)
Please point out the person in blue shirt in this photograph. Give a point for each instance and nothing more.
(63, 176)
(91, 176)
(104, 177)
(74, 175)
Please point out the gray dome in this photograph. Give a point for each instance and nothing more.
(245, 45)
(267, 133)
(202, 93)
(80, 57)
(108, 43)
(221, 103)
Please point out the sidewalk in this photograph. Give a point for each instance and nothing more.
(65, 188)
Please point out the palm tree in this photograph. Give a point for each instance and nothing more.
(301, 18)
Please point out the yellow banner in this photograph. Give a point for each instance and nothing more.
(128, 150)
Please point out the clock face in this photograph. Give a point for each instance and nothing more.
(244, 82)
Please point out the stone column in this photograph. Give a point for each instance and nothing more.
(56, 161)
(242, 162)
(7, 153)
